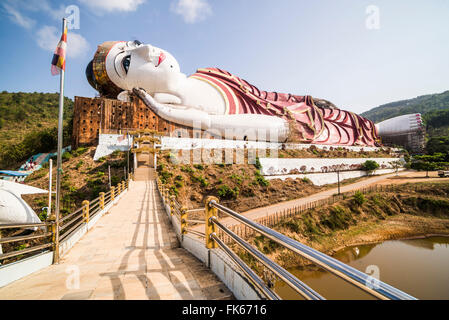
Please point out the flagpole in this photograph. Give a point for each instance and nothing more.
(59, 158)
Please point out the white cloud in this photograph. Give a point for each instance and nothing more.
(16, 17)
(48, 37)
(113, 5)
(192, 10)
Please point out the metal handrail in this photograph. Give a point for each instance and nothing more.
(195, 221)
(65, 225)
(251, 275)
(23, 225)
(71, 214)
(69, 231)
(22, 238)
(355, 277)
(24, 251)
(197, 233)
(293, 282)
(195, 210)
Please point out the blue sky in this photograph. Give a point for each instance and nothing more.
(356, 53)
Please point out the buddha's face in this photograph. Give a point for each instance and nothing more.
(133, 64)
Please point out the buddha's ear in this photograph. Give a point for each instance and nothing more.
(124, 96)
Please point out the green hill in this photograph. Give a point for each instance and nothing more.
(422, 104)
(28, 124)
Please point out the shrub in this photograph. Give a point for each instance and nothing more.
(79, 164)
(165, 176)
(306, 180)
(370, 166)
(199, 166)
(66, 155)
(203, 182)
(226, 193)
(238, 179)
(115, 180)
(179, 184)
(186, 169)
(257, 164)
(79, 151)
(260, 179)
(359, 198)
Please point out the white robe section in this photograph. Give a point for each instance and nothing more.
(13, 209)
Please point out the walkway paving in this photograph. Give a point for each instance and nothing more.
(132, 253)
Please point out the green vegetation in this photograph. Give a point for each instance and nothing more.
(226, 193)
(438, 145)
(260, 179)
(437, 161)
(435, 111)
(359, 198)
(423, 104)
(28, 125)
(370, 166)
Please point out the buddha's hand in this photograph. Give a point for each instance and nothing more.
(147, 99)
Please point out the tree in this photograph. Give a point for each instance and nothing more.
(370, 166)
(396, 165)
(438, 145)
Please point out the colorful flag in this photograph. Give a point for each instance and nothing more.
(58, 62)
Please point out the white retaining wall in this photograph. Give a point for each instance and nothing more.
(282, 166)
(321, 179)
(174, 143)
(108, 143)
(17, 270)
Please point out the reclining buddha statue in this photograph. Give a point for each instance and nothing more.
(219, 100)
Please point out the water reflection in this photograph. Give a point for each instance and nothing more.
(419, 267)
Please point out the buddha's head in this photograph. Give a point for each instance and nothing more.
(118, 66)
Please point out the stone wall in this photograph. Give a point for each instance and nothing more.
(114, 116)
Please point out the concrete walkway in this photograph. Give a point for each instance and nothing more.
(132, 253)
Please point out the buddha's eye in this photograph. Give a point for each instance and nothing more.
(137, 42)
(126, 62)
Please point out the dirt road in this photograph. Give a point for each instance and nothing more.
(400, 178)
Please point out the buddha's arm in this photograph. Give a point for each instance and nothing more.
(272, 126)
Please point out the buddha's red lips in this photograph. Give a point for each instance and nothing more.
(161, 59)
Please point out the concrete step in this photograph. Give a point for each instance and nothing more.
(144, 173)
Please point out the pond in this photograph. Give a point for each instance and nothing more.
(420, 267)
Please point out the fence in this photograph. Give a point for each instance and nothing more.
(45, 233)
(275, 218)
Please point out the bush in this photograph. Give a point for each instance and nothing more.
(238, 179)
(370, 166)
(203, 182)
(306, 180)
(359, 198)
(260, 179)
(226, 193)
(186, 169)
(257, 164)
(79, 164)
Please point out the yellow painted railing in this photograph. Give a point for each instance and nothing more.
(45, 232)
